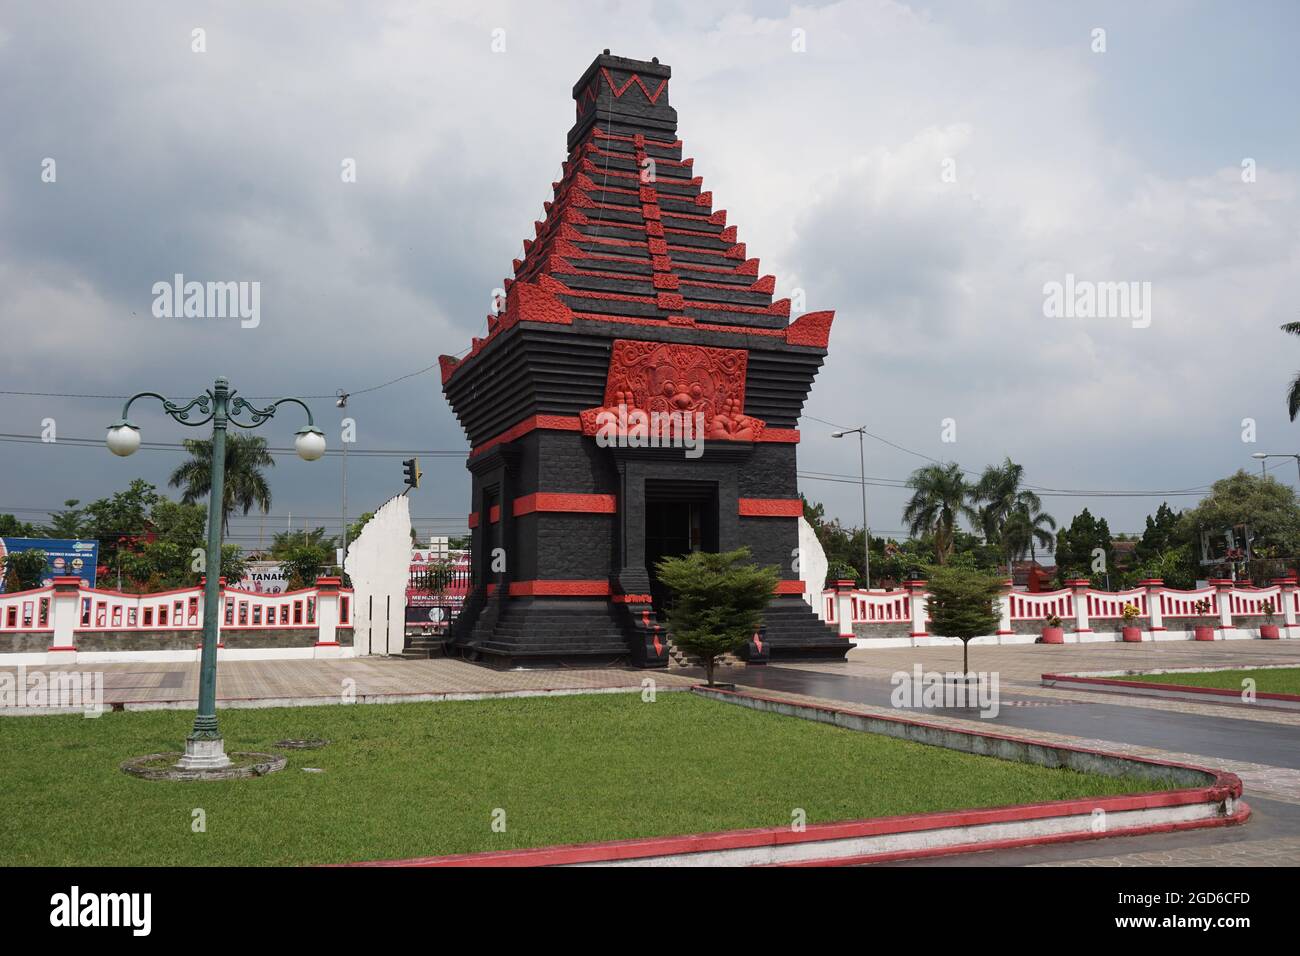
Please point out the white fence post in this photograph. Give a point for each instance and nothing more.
(1004, 608)
(1154, 588)
(65, 610)
(1080, 587)
(1286, 598)
(327, 617)
(1223, 596)
(919, 606)
(844, 607)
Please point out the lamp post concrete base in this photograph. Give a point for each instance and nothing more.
(208, 753)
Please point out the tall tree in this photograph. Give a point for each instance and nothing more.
(939, 497)
(120, 518)
(1266, 508)
(1293, 393)
(1026, 529)
(244, 486)
(11, 527)
(1006, 501)
(67, 523)
(1161, 533)
(1077, 544)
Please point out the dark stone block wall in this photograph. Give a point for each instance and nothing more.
(622, 260)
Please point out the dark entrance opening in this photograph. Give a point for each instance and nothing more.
(680, 517)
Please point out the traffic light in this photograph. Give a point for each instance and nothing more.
(411, 468)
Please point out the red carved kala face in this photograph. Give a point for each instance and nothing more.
(683, 390)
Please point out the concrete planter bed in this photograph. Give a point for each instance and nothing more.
(1205, 798)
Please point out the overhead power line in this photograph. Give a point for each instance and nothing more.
(18, 439)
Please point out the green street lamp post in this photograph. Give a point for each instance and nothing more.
(220, 405)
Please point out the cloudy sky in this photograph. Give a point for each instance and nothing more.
(921, 168)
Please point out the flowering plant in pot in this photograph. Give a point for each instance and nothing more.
(1130, 629)
(1053, 633)
(1268, 630)
(1204, 632)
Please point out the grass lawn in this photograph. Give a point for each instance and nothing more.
(1268, 680)
(403, 780)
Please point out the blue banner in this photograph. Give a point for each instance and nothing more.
(63, 558)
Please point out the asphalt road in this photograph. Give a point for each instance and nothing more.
(1277, 745)
(1273, 821)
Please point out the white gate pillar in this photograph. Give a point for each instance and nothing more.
(844, 607)
(1080, 587)
(65, 611)
(1286, 598)
(1154, 588)
(1223, 596)
(918, 605)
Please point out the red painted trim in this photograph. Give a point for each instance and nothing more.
(1241, 815)
(789, 587)
(770, 507)
(559, 588)
(1181, 688)
(69, 648)
(494, 514)
(630, 599)
(564, 423)
(472, 521)
(327, 644)
(565, 502)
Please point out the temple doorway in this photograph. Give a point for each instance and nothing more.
(680, 517)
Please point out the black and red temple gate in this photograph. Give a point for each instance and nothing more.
(635, 295)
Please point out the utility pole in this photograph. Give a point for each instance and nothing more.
(866, 529)
(342, 402)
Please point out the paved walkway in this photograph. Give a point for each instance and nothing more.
(368, 679)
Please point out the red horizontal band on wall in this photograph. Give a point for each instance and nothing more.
(550, 501)
(787, 435)
(473, 520)
(564, 423)
(559, 589)
(770, 507)
(494, 514)
(789, 587)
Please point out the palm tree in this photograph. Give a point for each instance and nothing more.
(244, 484)
(1025, 530)
(1000, 488)
(939, 498)
(1293, 394)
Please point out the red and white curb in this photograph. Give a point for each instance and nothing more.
(1172, 691)
(1207, 798)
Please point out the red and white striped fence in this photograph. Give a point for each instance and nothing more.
(68, 613)
(856, 612)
